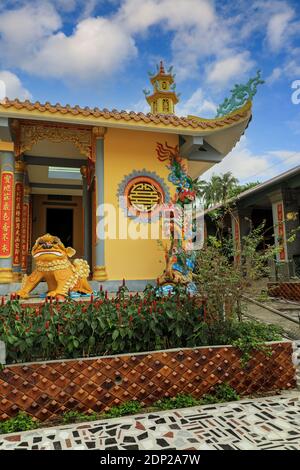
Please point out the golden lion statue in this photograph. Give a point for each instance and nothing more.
(53, 265)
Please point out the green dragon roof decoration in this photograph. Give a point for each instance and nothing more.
(240, 94)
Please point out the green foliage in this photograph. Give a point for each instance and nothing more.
(222, 393)
(217, 190)
(253, 338)
(127, 408)
(180, 401)
(125, 323)
(21, 422)
(247, 336)
(223, 281)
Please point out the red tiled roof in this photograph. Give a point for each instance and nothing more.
(172, 120)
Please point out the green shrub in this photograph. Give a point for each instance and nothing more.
(21, 422)
(122, 324)
(222, 393)
(180, 401)
(127, 408)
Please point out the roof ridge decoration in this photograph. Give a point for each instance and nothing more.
(240, 94)
(24, 109)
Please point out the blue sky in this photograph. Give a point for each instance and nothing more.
(97, 53)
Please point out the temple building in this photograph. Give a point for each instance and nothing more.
(59, 163)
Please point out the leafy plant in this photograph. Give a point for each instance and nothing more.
(125, 323)
(180, 401)
(254, 340)
(127, 408)
(21, 422)
(222, 393)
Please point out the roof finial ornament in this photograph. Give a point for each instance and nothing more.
(161, 67)
(240, 94)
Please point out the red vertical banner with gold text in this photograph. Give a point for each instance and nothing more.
(19, 194)
(6, 213)
(281, 234)
(236, 235)
(25, 228)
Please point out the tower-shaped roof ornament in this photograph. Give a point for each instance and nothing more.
(163, 97)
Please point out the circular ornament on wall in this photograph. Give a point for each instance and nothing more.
(141, 194)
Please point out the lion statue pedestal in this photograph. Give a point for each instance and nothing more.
(54, 266)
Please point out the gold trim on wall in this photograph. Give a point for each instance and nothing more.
(6, 146)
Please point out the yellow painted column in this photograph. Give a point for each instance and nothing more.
(99, 271)
(6, 210)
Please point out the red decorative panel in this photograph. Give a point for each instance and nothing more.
(19, 191)
(6, 208)
(25, 234)
(48, 389)
(281, 234)
(285, 290)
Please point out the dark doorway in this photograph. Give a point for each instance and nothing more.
(59, 222)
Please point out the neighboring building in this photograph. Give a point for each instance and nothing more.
(277, 202)
(58, 163)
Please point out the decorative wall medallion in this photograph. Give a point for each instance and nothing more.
(140, 195)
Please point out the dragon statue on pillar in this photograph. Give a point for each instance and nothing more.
(179, 261)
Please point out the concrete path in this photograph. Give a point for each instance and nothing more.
(264, 423)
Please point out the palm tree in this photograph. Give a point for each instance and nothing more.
(217, 190)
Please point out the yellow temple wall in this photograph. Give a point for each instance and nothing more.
(127, 151)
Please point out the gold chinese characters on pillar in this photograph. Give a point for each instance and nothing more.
(19, 188)
(6, 208)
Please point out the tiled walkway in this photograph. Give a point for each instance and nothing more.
(268, 423)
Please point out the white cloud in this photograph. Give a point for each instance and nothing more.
(292, 65)
(229, 68)
(197, 105)
(23, 32)
(33, 39)
(274, 76)
(13, 86)
(248, 166)
(277, 28)
(97, 47)
(31, 36)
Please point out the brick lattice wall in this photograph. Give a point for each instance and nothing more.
(285, 290)
(47, 389)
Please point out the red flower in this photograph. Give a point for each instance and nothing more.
(118, 306)
(17, 317)
(130, 318)
(47, 325)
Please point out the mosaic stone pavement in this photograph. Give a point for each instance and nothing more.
(268, 423)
